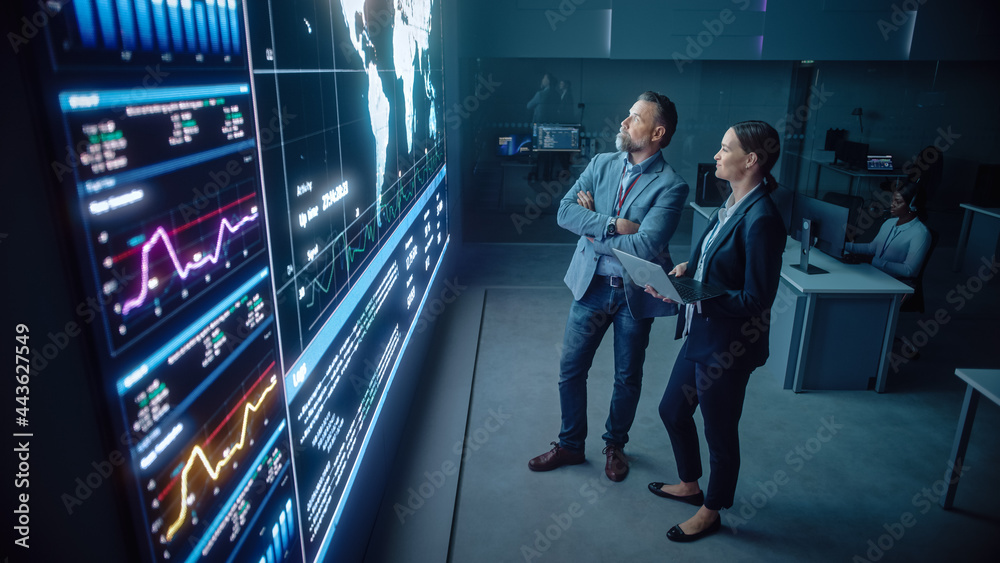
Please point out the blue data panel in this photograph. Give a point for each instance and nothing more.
(167, 202)
(338, 386)
(156, 248)
(357, 202)
(162, 184)
(255, 241)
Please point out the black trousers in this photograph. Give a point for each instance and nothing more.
(720, 393)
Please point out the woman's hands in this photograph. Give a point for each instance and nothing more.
(678, 271)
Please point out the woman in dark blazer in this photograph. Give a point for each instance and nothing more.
(727, 336)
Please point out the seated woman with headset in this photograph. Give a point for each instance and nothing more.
(902, 242)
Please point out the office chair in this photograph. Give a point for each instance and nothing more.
(915, 303)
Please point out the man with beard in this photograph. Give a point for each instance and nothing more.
(630, 200)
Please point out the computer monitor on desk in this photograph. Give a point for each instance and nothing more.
(852, 155)
(555, 137)
(513, 144)
(709, 190)
(819, 221)
(784, 199)
(879, 162)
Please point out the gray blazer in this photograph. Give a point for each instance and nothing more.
(655, 202)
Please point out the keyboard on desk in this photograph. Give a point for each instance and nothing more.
(855, 258)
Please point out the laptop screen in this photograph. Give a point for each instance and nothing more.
(879, 162)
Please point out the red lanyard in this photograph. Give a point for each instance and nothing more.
(621, 195)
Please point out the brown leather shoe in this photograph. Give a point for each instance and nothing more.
(555, 458)
(617, 466)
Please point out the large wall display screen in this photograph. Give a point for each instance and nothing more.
(258, 206)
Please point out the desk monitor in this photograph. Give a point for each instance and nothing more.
(784, 199)
(555, 137)
(828, 223)
(513, 144)
(833, 138)
(851, 154)
(709, 190)
(879, 162)
(805, 237)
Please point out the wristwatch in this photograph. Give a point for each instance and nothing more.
(611, 230)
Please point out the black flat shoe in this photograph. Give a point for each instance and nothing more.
(678, 535)
(696, 499)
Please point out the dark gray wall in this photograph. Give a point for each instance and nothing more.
(710, 96)
(683, 30)
(907, 105)
(910, 105)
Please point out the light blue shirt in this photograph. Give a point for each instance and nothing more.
(609, 265)
(898, 250)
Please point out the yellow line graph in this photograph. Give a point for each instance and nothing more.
(214, 473)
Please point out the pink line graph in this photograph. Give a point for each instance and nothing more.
(185, 270)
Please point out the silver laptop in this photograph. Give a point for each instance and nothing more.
(682, 290)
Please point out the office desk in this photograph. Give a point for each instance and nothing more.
(833, 330)
(978, 239)
(828, 331)
(853, 175)
(985, 382)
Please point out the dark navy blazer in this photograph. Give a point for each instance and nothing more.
(745, 260)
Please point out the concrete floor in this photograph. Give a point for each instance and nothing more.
(863, 491)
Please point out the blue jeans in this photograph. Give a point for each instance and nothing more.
(589, 318)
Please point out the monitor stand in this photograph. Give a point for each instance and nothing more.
(809, 269)
(806, 243)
